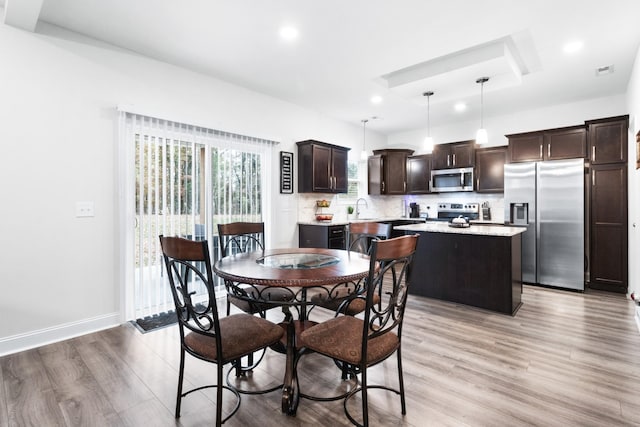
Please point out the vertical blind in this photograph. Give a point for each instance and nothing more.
(188, 179)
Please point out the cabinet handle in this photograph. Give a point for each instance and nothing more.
(540, 150)
(593, 178)
(448, 162)
(549, 150)
(404, 186)
(333, 182)
(454, 160)
(383, 186)
(593, 153)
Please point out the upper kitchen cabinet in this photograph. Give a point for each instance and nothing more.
(552, 144)
(387, 171)
(489, 171)
(525, 147)
(453, 155)
(322, 167)
(608, 140)
(565, 143)
(418, 174)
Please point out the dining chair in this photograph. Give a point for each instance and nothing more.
(341, 299)
(365, 342)
(240, 237)
(203, 334)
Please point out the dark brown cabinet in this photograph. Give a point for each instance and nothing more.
(489, 171)
(566, 143)
(608, 204)
(608, 140)
(453, 155)
(322, 167)
(418, 174)
(481, 271)
(387, 171)
(553, 144)
(321, 236)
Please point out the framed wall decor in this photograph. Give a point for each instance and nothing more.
(286, 172)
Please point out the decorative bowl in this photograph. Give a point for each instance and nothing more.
(324, 217)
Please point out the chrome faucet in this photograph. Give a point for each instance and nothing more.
(358, 208)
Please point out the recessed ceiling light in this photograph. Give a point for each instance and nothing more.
(460, 106)
(289, 33)
(573, 47)
(376, 99)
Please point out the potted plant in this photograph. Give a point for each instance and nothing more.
(350, 212)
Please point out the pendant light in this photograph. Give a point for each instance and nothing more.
(363, 153)
(481, 135)
(428, 141)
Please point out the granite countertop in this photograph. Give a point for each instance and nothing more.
(478, 229)
(346, 222)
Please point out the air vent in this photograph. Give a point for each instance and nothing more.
(601, 71)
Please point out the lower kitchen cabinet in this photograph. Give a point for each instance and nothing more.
(608, 231)
(321, 236)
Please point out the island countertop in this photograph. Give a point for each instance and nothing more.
(476, 229)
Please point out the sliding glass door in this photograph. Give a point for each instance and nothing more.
(187, 181)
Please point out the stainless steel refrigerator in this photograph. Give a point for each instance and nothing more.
(548, 197)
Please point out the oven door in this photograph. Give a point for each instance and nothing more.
(445, 180)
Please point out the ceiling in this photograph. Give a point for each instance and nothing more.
(348, 51)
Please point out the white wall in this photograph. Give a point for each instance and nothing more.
(633, 106)
(59, 124)
(523, 121)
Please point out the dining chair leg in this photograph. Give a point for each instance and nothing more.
(219, 397)
(180, 379)
(365, 400)
(401, 383)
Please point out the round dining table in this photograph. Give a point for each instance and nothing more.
(303, 272)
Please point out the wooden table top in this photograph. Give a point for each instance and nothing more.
(251, 268)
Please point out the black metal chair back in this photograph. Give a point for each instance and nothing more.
(237, 237)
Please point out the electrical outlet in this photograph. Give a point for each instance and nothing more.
(84, 209)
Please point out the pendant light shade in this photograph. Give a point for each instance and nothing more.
(428, 141)
(481, 135)
(363, 153)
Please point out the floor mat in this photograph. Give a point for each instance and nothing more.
(156, 321)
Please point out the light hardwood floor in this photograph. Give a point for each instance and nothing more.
(565, 359)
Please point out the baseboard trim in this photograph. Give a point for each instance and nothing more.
(37, 338)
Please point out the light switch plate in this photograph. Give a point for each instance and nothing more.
(84, 209)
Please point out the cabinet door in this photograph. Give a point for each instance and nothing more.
(609, 227)
(463, 155)
(395, 173)
(339, 171)
(374, 174)
(321, 166)
(418, 174)
(490, 169)
(608, 142)
(525, 148)
(441, 157)
(565, 144)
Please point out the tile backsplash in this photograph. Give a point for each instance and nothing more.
(395, 206)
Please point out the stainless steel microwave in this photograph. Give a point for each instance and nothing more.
(443, 180)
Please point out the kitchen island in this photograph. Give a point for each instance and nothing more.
(479, 265)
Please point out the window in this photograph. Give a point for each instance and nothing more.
(355, 182)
